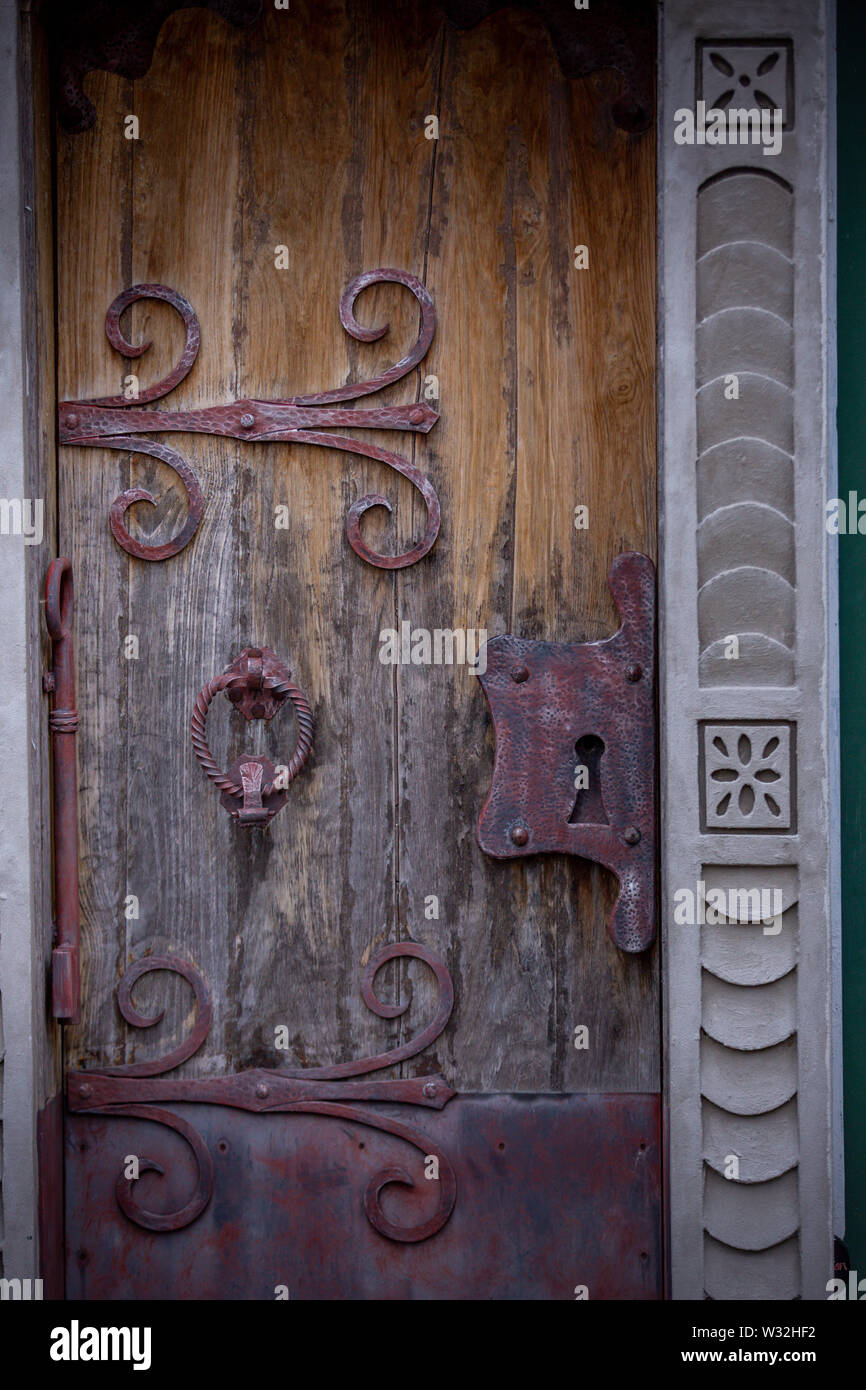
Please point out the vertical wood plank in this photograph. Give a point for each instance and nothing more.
(547, 401)
(586, 412)
(94, 213)
(181, 856)
(346, 72)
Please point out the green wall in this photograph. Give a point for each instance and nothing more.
(852, 590)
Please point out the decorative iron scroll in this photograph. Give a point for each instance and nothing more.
(115, 422)
(131, 1091)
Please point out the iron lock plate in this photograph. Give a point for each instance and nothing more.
(561, 707)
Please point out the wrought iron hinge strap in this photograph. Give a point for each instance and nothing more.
(131, 1091)
(118, 422)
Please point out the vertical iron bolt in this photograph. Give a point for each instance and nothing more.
(634, 672)
(520, 674)
(520, 835)
(631, 836)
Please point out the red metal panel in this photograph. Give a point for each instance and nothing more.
(49, 1146)
(555, 1192)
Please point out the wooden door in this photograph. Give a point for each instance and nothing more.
(309, 132)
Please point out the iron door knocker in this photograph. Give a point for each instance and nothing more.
(257, 683)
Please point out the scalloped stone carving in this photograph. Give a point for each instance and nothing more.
(749, 1017)
(759, 1275)
(751, 1216)
(748, 1083)
(766, 1145)
(745, 418)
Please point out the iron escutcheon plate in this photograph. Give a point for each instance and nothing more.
(557, 1194)
(550, 701)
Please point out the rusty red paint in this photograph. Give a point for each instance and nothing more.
(130, 1091)
(59, 682)
(546, 698)
(555, 1192)
(49, 1148)
(257, 683)
(116, 422)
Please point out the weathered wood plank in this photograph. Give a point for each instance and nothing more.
(547, 401)
(308, 132)
(94, 192)
(586, 412)
(184, 610)
(351, 77)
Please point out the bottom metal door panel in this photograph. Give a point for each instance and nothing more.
(555, 1193)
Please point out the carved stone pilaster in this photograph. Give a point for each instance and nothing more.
(747, 655)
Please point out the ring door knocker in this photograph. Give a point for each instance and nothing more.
(257, 683)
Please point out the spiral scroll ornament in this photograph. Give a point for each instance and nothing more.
(121, 422)
(137, 1090)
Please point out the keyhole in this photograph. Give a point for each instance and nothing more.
(588, 803)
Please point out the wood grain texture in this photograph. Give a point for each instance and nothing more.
(309, 132)
(93, 239)
(548, 401)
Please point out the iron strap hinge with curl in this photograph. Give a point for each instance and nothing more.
(133, 1089)
(117, 422)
